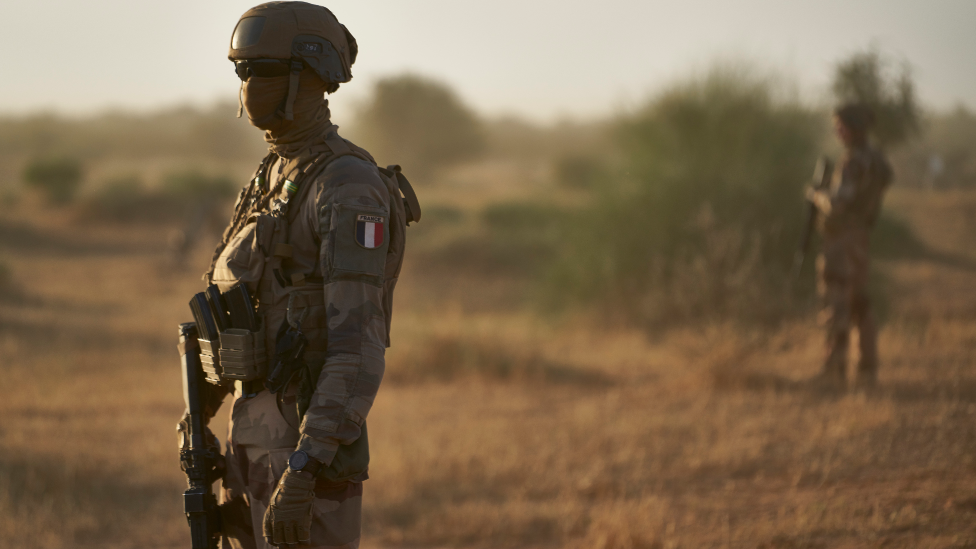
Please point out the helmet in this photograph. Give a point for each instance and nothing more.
(858, 117)
(303, 33)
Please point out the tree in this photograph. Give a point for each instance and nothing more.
(419, 123)
(871, 79)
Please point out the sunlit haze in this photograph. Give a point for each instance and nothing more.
(538, 58)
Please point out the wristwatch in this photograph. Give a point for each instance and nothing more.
(300, 462)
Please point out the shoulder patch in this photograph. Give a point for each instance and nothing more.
(369, 231)
(359, 239)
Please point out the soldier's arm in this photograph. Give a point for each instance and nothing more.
(356, 326)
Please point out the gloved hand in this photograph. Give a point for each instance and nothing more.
(820, 198)
(288, 520)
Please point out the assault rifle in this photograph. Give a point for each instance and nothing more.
(198, 459)
(822, 175)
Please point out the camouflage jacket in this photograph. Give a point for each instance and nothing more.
(327, 260)
(854, 198)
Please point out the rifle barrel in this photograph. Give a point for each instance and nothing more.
(199, 502)
(822, 175)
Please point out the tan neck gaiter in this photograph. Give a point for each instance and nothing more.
(264, 103)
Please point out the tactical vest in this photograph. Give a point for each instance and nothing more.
(255, 250)
(869, 174)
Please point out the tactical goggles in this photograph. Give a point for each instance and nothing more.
(262, 68)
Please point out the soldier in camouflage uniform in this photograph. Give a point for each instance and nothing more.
(849, 209)
(317, 237)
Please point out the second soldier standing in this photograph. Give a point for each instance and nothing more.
(849, 210)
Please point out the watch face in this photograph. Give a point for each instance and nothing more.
(298, 460)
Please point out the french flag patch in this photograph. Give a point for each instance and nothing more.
(369, 231)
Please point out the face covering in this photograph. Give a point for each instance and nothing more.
(262, 98)
(264, 103)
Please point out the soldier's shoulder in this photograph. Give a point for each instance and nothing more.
(349, 169)
(351, 178)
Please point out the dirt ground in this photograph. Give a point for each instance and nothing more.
(499, 428)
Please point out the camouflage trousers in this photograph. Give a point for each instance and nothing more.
(263, 434)
(843, 286)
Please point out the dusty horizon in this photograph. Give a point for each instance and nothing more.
(541, 60)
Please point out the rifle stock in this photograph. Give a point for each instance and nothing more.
(822, 175)
(198, 459)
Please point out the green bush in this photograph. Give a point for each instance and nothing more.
(123, 198)
(704, 215)
(57, 177)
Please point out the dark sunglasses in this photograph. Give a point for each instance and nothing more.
(262, 68)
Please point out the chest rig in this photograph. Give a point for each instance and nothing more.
(285, 277)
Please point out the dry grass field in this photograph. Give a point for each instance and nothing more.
(497, 427)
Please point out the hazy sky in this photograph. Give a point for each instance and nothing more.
(540, 58)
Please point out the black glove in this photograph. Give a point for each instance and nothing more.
(288, 520)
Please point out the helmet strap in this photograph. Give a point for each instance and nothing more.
(240, 100)
(296, 70)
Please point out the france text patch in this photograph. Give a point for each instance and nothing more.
(369, 231)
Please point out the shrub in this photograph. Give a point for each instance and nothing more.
(57, 177)
(706, 210)
(125, 198)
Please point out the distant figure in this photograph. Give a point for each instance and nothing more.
(849, 209)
